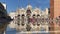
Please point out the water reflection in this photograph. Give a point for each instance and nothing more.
(11, 30)
(3, 27)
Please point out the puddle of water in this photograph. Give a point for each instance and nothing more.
(13, 31)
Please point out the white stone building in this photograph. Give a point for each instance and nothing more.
(31, 16)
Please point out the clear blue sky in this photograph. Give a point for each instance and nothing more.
(13, 4)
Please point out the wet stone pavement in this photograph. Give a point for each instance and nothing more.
(13, 31)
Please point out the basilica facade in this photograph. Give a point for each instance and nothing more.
(29, 19)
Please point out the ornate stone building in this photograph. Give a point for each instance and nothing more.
(28, 19)
(34, 18)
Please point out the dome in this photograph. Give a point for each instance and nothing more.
(37, 9)
(22, 8)
(29, 7)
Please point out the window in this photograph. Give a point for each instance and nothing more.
(23, 15)
(33, 14)
(38, 15)
(28, 11)
(18, 15)
(34, 24)
(38, 24)
(22, 24)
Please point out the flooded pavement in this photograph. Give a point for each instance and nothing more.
(11, 30)
(15, 32)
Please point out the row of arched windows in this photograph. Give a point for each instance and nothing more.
(32, 15)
